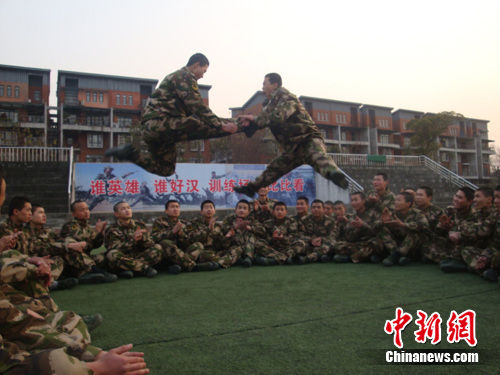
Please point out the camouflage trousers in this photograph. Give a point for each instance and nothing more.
(155, 138)
(359, 251)
(172, 254)
(282, 253)
(50, 362)
(440, 248)
(200, 254)
(137, 261)
(230, 257)
(313, 253)
(406, 243)
(477, 259)
(57, 267)
(312, 152)
(78, 264)
(34, 296)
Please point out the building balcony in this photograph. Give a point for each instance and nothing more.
(466, 150)
(389, 145)
(90, 128)
(33, 125)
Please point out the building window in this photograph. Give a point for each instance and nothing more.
(9, 116)
(16, 91)
(117, 99)
(8, 138)
(130, 100)
(198, 145)
(94, 141)
(88, 97)
(406, 141)
(123, 139)
(323, 133)
(404, 125)
(9, 91)
(322, 116)
(384, 139)
(94, 97)
(384, 124)
(69, 142)
(341, 119)
(124, 122)
(1, 90)
(343, 136)
(37, 96)
(445, 157)
(101, 97)
(453, 132)
(94, 158)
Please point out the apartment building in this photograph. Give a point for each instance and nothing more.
(24, 101)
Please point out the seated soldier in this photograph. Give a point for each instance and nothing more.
(493, 271)
(43, 243)
(282, 237)
(19, 215)
(478, 234)
(204, 238)
(241, 238)
(302, 209)
(423, 202)
(129, 247)
(170, 232)
(319, 233)
(339, 214)
(329, 208)
(359, 242)
(381, 196)
(262, 207)
(81, 242)
(401, 233)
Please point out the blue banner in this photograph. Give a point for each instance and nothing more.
(102, 185)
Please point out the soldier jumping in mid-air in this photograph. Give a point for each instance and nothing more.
(174, 113)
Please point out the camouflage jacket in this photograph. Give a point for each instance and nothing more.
(479, 230)
(288, 227)
(364, 233)
(8, 227)
(414, 219)
(10, 355)
(163, 230)
(326, 228)
(385, 200)
(198, 230)
(242, 236)
(44, 241)
(258, 213)
(459, 220)
(121, 237)
(495, 239)
(80, 230)
(300, 221)
(288, 120)
(178, 95)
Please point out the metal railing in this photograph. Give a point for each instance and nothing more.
(363, 160)
(353, 185)
(36, 154)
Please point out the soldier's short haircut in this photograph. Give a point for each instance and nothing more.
(35, 206)
(469, 193)
(360, 193)
(383, 174)
(303, 198)
(171, 201)
(115, 207)
(73, 205)
(274, 78)
(427, 189)
(318, 201)
(486, 191)
(198, 58)
(338, 203)
(207, 201)
(17, 203)
(244, 201)
(407, 196)
(281, 204)
(329, 203)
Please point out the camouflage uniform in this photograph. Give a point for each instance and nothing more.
(174, 113)
(432, 214)
(408, 240)
(42, 242)
(385, 200)
(287, 247)
(260, 214)
(360, 243)
(173, 243)
(244, 243)
(326, 229)
(477, 236)
(204, 242)
(124, 253)
(8, 227)
(77, 231)
(297, 134)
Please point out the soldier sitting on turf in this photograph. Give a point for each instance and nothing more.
(242, 237)
(129, 247)
(381, 196)
(82, 241)
(339, 214)
(204, 238)
(423, 202)
(302, 209)
(19, 216)
(282, 237)
(319, 233)
(493, 271)
(43, 242)
(359, 242)
(402, 232)
(170, 232)
(449, 227)
(262, 207)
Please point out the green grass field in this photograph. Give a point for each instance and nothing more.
(312, 319)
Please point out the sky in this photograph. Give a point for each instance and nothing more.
(428, 56)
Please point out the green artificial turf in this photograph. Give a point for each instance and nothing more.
(312, 319)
